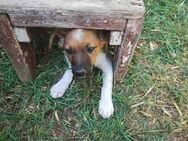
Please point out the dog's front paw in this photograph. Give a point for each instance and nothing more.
(57, 91)
(106, 108)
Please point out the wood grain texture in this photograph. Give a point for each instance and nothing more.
(124, 53)
(93, 14)
(21, 56)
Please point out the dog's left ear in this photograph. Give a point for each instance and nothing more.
(60, 33)
(103, 37)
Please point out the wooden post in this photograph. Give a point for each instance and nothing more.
(21, 55)
(125, 51)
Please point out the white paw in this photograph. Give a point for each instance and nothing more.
(57, 91)
(106, 108)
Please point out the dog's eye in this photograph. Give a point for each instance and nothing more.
(69, 51)
(90, 49)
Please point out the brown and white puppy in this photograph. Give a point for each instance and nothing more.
(84, 49)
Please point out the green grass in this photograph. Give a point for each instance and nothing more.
(151, 103)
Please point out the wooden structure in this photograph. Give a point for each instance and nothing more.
(123, 18)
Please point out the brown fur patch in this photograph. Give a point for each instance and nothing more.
(90, 38)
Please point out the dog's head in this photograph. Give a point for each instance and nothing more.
(81, 48)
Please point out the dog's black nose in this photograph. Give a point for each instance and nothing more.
(80, 73)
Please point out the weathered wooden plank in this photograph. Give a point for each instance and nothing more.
(59, 20)
(97, 14)
(125, 52)
(116, 37)
(21, 34)
(21, 57)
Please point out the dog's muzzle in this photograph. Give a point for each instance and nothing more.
(81, 65)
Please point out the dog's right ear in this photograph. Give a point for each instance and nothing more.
(60, 33)
(104, 39)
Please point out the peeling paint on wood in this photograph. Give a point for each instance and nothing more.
(24, 66)
(124, 60)
(125, 52)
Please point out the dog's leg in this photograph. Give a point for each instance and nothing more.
(60, 87)
(106, 108)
